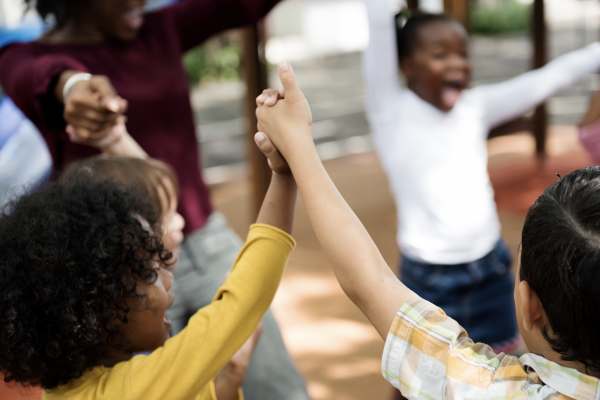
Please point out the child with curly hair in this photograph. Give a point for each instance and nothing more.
(86, 284)
(427, 354)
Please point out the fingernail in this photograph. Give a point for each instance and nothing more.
(260, 137)
(113, 104)
(283, 66)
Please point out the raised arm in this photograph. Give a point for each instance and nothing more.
(357, 263)
(29, 79)
(514, 97)
(197, 20)
(47, 86)
(216, 332)
(380, 63)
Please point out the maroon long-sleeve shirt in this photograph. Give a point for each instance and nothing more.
(148, 72)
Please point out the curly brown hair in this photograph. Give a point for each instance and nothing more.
(72, 254)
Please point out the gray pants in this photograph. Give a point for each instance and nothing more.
(206, 257)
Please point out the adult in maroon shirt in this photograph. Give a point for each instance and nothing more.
(134, 62)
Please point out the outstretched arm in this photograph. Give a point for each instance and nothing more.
(357, 263)
(380, 64)
(514, 97)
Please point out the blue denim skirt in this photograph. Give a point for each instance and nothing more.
(478, 295)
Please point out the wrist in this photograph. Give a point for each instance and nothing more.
(60, 83)
(285, 179)
(73, 80)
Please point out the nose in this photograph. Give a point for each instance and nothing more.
(459, 62)
(180, 222)
(167, 278)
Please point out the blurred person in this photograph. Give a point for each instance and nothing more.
(106, 59)
(427, 354)
(431, 139)
(24, 159)
(90, 267)
(589, 129)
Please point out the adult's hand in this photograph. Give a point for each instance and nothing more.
(92, 109)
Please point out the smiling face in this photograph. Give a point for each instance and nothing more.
(439, 67)
(118, 19)
(148, 326)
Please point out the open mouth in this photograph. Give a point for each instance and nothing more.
(451, 92)
(134, 18)
(167, 320)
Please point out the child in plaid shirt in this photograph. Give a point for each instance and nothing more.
(428, 355)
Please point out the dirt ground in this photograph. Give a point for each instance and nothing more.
(335, 347)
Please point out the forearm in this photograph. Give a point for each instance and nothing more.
(279, 204)
(60, 83)
(355, 259)
(510, 99)
(216, 332)
(593, 113)
(226, 389)
(126, 146)
(380, 60)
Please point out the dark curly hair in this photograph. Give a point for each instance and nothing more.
(57, 11)
(560, 259)
(72, 254)
(408, 26)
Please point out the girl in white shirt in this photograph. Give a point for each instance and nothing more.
(431, 139)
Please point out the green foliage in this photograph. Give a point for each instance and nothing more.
(508, 17)
(212, 63)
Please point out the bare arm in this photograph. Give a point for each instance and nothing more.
(507, 100)
(593, 113)
(280, 201)
(357, 263)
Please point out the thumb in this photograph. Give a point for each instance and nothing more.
(288, 79)
(108, 94)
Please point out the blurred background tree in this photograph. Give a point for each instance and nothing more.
(216, 60)
(499, 17)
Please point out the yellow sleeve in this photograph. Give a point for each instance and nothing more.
(209, 392)
(191, 359)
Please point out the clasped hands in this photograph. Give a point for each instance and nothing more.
(93, 111)
(284, 121)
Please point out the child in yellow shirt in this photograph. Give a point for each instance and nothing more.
(85, 284)
(157, 182)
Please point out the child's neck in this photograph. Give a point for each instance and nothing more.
(546, 351)
(112, 356)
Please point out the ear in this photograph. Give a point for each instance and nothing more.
(407, 68)
(531, 307)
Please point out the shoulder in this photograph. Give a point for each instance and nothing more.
(15, 48)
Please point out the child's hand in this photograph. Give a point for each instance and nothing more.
(286, 121)
(269, 97)
(111, 135)
(276, 161)
(232, 376)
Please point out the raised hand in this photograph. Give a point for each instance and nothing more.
(269, 97)
(232, 376)
(289, 120)
(277, 163)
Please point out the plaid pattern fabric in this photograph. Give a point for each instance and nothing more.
(590, 138)
(429, 356)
